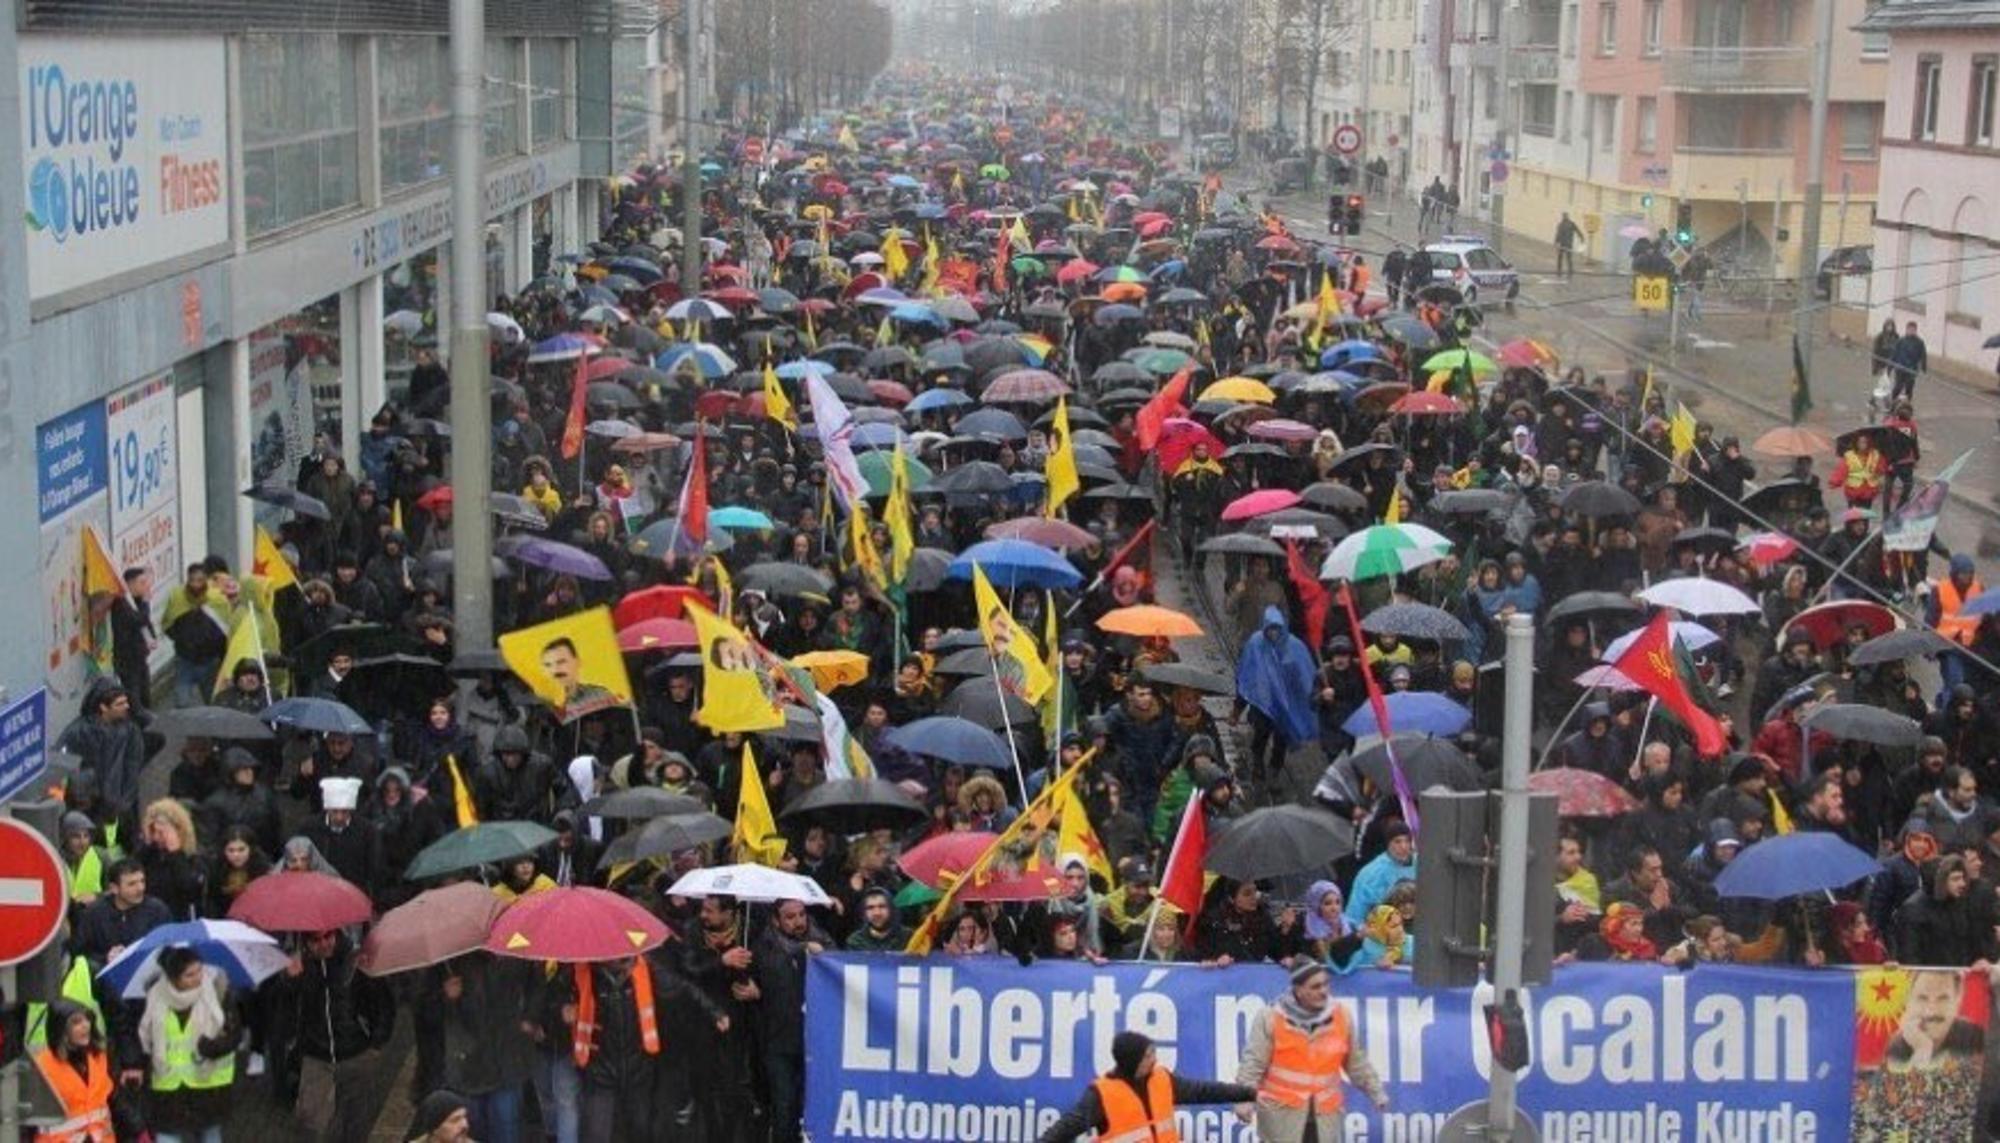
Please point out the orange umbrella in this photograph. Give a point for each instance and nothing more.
(832, 670)
(1793, 441)
(1124, 292)
(1149, 620)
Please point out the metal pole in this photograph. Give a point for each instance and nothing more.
(1802, 306)
(1312, 132)
(471, 408)
(1510, 905)
(1777, 262)
(1503, 131)
(691, 114)
(10, 1076)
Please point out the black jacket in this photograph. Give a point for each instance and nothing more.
(780, 969)
(331, 1011)
(102, 926)
(516, 793)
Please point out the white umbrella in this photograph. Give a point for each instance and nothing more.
(750, 883)
(505, 327)
(867, 258)
(604, 315)
(700, 309)
(1691, 595)
(1384, 549)
(408, 323)
(1693, 635)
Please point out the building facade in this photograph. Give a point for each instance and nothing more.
(1937, 230)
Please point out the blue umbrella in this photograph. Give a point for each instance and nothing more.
(598, 296)
(318, 715)
(883, 296)
(1117, 312)
(1015, 563)
(904, 181)
(248, 957)
(799, 370)
(1985, 603)
(1794, 863)
(711, 167)
(952, 739)
(740, 518)
(637, 268)
(561, 347)
(916, 313)
(937, 399)
(558, 557)
(1419, 712)
(710, 360)
(930, 210)
(1349, 350)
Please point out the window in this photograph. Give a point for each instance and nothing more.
(1607, 29)
(630, 124)
(548, 83)
(1604, 121)
(1538, 109)
(413, 85)
(1564, 116)
(1572, 18)
(1979, 108)
(1784, 19)
(1407, 71)
(1860, 130)
(1930, 74)
(503, 97)
(1649, 125)
(1874, 45)
(301, 153)
(1652, 18)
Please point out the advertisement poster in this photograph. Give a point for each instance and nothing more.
(143, 463)
(281, 415)
(124, 145)
(72, 491)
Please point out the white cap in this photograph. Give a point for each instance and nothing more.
(340, 793)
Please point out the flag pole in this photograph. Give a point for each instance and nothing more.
(1006, 728)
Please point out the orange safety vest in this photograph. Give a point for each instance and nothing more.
(86, 1103)
(1127, 1120)
(1960, 629)
(583, 1039)
(1306, 1069)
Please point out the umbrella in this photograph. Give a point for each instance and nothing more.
(213, 722)
(1597, 498)
(1827, 623)
(1985, 603)
(832, 670)
(849, 806)
(292, 499)
(1334, 497)
(740, 519)
(974, 477)
(945, 858)
(993, 423)
(1903, 644)
(749, 883)
(1150, 621)
(1693, 636)
(1852, 721)
(662, 837)
(1691, 595)
(954, 740)
(246, 956)
(1015, 563)
(1471, 501)
(663, 601)
(1258, 503)
(1794, 863)
(1192, 678)
(487, 843)
(1792, 441)
(1239, 389)
(1279, 840)
(1452, 359)
(1384, 550)
(1584, 604)
(982, 702)
(1582, 793)
(640, 803)
(1042, 530)
(301, 902)
(1415, 621)
(933, 399)
(1423, 712)
(1024, 385)
(431, 928)
(1768, 548)
(784, 579)
(656, 635)
(1243, 544)
(575, 926)
(1426, 762)
(558, 557)
(317, 715)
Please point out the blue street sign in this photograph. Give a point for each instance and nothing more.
(24, 753)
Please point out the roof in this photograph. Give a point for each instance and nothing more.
(1932, 15)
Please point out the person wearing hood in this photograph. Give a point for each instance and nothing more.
(571, 859)
(521, 877)
(392, 573)
(109, 744)
(84, 858)
(1077, 900)
(1941, 924)
(405, 824)
(187, 1033)
(1141, 735)
(441, 755)
(443, 1117)
(984, 801)
(487, 1055)
(1299, 1050)
(1137, 1097)
(77, 1070)
(333, 1018)
(336, 756)
(515, 784)
(247, 691)
(1596, 747)
(1396, 863)
(1274, 680)
(1200, 765)
(351, 847)
(243, 801)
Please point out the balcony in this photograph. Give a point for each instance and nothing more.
(1716, 172)
(1775, 70)
(1534, 63)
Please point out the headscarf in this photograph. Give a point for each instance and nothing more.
(1612, 929)
(302, 846)
(583, 777)
(1379, 950)
(1318, 928)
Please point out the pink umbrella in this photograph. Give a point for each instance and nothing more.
(1284, 429)
(1606, 676)
(946, 856)
(1262, 502)
(301, 902)
(657, 635)
(1049, 533)
(1769, 547)
(575, 925)
(1076, 270)
(1177, 440)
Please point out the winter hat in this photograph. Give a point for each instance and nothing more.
(340, 793)
(437, 1107)
(73, 822)
(1128, 1048)
(1961, 564)
(1306, 969)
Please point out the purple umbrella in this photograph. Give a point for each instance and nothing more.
(565, 559)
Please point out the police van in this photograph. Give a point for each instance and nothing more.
(1477, 270)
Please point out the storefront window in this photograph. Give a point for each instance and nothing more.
(548, 80)
(301, 154)
(630, 123)
(504, 97)
(294, 391)
(409, 320)
(496, 262)
(413, 75)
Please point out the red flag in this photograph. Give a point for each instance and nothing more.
(1650, 662)
(572, 438)
(1404, 796)
(1165, 403)
(1181, 881)
(694, 491)
(1312, 593)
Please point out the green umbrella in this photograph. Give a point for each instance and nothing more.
(1028, 266)
(484, 844)
(995, 171)
(1384, 550)
(1164, 362)
(875, 470)
(1123, 274)
(916, 893)
(1459, 359)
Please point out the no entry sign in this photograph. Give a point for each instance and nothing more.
(1347, 138)
(33, 892)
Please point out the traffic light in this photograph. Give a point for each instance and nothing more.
(1354, 205)
(1451, 889)
(1684, 224)
(1507, 1031)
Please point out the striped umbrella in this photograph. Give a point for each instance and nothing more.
(1384, 550)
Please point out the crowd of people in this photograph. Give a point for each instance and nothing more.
(1027, 327)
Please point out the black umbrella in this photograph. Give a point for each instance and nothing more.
(401, 682)
(1117, 492)
(214, 722)
(640, 803)
(361, 640)
(1785, 496)
(1893, 444)
(1243, 544)
(1193, 678)
(971, 478)
(1363, 452)
(1597, 498)
(279, 496)
(1710, 541)
(784, 579)
(1334, 497)
(801, 725)
(1585, 604)
(927, 569)
(1415, 621)
(1471, 501)
(1426, 762)
(981, 701)
(481, 661)
(663, 837)
(856, 805)
(1278, 840)
(1854, 722)
(613, 394)
(1904, 644)
(1295, 521)
(960, 639)
(969, 663)
(517, 511)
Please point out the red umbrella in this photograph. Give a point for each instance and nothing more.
(1525, 353)
(733, 296)
(1155, 228)
(289, 902)
(891, 392)
(605, 368)
(1177, 440)
(1381, 396)
(1828, 623)
(656, 635)
(433, 927)
(726, 273)
(1014, 885)
(1425, 404)
(1768, 548)
(429, 501)
(1076, 270)
(1283, 429)
(947, 855)
(575, 926)
(1048, 532)
(1582, 793)
(1262, 502)
(716, 404)
(861, 284)
(663, 601)
(1277, 242)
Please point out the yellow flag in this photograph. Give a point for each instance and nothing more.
(896, 514)
(99, 575)
(246, 641)
(396, 515)
(755, 838)
(811, 331)
(1781, 821)
(1394, 513)
(1019, 238)
(1681, 431)
(777, 406)
(895, 262)
(931, 268)
(1075, 836)
(1646, 395)
(866, 556)
(1328, 308)
(725, 590)
(270, 562)
(847, 139)
(735, 692)
(463, 808)
(1016, 663)
(885, 334)
(1060, 468)
(572, 663)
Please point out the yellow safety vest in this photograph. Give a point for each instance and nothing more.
(76, 988)
(179, 1065)
(86, 878)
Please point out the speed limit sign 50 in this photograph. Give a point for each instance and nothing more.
(1347, 138)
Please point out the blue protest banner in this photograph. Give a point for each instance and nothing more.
(984, 1049)
(24, 733)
